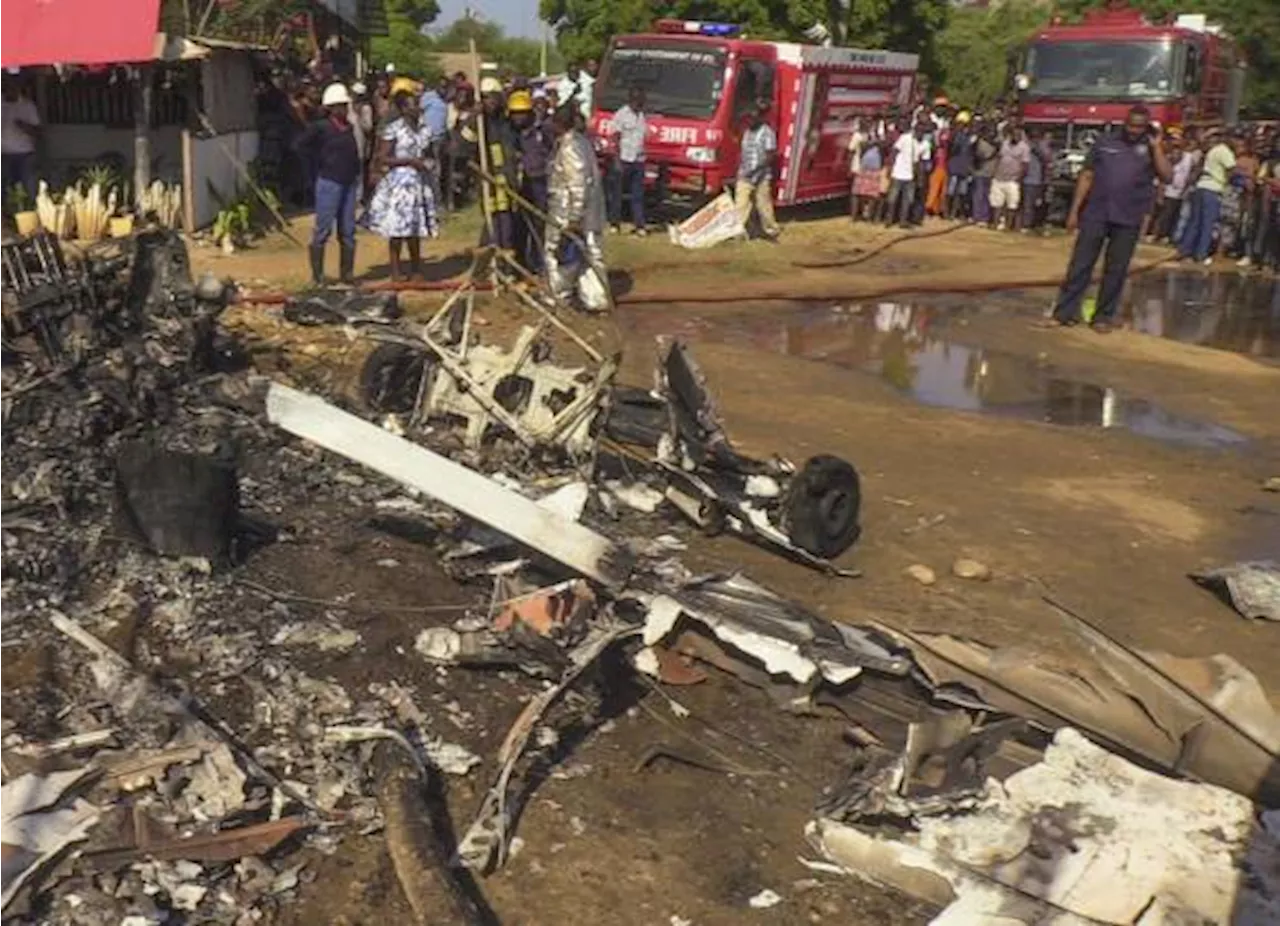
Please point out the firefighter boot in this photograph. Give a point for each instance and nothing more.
(317, 264)
(347, 264)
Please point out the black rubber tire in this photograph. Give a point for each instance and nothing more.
(390, 378)
(822, 507)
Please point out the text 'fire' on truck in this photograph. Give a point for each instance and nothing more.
(1076, 79)
(701, 82)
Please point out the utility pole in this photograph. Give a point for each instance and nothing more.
(542, 61)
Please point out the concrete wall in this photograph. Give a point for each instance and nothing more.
(69, 149)
(213, 162)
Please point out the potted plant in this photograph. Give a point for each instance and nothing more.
(56, 212)
(121, 225)
(18, 202)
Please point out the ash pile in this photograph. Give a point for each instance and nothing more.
(139, 479)
(112, 371)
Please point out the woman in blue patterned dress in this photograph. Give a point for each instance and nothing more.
(403, 208)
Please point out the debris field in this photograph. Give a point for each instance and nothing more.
(214, 583)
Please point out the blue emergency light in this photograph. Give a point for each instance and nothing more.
(696, 27)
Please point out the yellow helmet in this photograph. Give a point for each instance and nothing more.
(520, 101)
(405, 85)
(964, 117)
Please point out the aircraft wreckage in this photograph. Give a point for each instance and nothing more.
(987, 781)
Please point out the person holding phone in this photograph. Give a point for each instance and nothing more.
(1115, 192)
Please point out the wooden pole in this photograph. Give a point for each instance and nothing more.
(142, 97)
(484, 148)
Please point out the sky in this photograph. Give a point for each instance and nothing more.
(517, 17)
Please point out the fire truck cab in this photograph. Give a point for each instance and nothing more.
(1078, 78)
(701, 82)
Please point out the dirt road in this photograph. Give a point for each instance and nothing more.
(947, 405)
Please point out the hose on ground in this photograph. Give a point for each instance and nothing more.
(880, 248)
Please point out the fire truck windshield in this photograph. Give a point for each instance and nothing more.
(679, 78)
(1137, 70)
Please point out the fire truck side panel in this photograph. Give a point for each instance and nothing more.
(830, 92)
(815, 94)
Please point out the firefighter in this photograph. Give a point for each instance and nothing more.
(537, 140)
(501, 162)
(575, 202)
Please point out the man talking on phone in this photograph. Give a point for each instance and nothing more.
(1115, 191)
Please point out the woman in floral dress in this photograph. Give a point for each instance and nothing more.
(403, 208)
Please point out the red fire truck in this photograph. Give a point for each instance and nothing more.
(701, 81)
(1078, 78)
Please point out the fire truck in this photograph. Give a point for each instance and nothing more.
(701, 82)
(1077, 79)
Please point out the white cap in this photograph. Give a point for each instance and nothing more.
(358, 88)
(490, 85)
(335, 95)
(391, 67)
(540, 94)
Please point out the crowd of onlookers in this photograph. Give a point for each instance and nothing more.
(1223, 199)
(403, 152)
(939, 160)
(949, 162)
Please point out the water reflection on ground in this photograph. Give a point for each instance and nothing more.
(1228, 311)
(905, 346)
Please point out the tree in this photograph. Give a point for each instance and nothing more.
(521, 55)
(420, 13)
(900, 25)
(406, 45)
(977, 48)
(584, 27)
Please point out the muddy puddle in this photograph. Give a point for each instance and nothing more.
(907, 347)
(1228, 311)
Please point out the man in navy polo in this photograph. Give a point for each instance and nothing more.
(1115, 191)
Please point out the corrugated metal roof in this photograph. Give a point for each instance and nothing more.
(78, 31)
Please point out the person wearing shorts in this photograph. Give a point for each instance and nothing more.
(1006, 183)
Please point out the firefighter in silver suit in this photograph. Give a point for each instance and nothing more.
(575, 201)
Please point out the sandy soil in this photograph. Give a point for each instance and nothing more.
(1105, 521)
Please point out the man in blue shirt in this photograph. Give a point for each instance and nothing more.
(1115, 191)
(435, 116)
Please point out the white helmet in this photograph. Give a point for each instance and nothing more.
(335, 95)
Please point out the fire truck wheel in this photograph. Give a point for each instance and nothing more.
(822, 507)
(390, 378)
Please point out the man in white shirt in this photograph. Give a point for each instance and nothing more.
(906, 154)
(630, 126)
(576, 85)
(19, 129)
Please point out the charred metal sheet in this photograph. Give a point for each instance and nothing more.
(1123, 704)
(784, 637)
(1080, 837)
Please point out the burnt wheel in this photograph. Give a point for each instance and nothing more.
(822, 505)
(390, 378)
